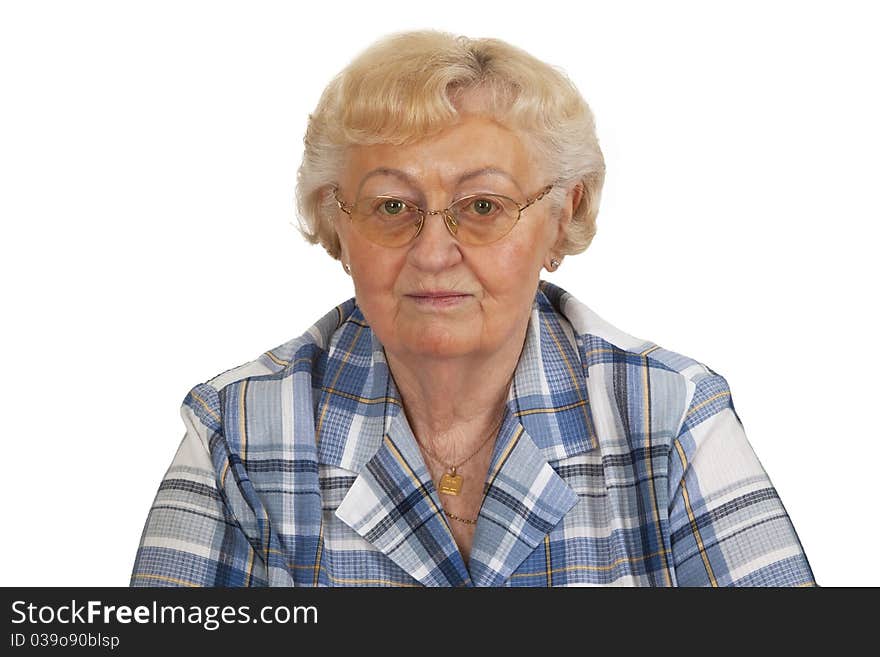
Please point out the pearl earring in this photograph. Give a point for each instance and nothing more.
(554, 263)
(346, 268)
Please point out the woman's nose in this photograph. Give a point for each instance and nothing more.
(435, 248)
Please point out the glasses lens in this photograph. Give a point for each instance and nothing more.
(386, 220)
(477, 219)
(484, 218)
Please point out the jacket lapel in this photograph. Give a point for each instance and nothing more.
(393, 504)
(524, 500)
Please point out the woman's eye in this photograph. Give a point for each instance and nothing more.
(483, 206)
(393, 206)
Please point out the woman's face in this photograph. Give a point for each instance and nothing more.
(497, 281)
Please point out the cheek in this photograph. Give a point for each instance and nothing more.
(375, 274)
(510, 278)
(513, 264)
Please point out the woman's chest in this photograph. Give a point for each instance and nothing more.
(611, 535)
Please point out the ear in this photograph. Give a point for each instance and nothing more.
(569, 205)
(344, 259)
(342, 238)
(337, 223)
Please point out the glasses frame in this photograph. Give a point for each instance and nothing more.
(448, 218)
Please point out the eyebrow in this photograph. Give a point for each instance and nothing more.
(467, 175)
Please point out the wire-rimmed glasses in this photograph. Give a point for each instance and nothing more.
(475, 219)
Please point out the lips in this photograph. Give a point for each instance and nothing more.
(436, 300)
(439, 294)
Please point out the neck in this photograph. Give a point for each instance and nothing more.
(452, 404)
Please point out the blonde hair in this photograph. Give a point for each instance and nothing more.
(405, 87)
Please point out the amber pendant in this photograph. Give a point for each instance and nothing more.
(450, 483)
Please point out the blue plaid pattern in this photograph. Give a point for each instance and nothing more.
(618, 463)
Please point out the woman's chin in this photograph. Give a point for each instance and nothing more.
(439, 342)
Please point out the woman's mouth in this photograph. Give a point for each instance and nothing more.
(439, 298)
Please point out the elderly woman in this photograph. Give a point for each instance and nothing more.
(460, 422)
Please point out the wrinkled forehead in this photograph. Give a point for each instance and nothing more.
(477, 151)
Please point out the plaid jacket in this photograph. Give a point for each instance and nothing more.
(618, 463)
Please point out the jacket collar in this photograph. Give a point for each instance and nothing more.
(393, 503)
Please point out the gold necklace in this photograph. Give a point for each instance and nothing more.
(466, 521)
(451, 482)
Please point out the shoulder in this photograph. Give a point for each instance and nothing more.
(300, 354)
(624, 362)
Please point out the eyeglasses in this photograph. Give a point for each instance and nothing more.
(476, 219)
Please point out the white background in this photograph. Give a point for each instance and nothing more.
(148, 154)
